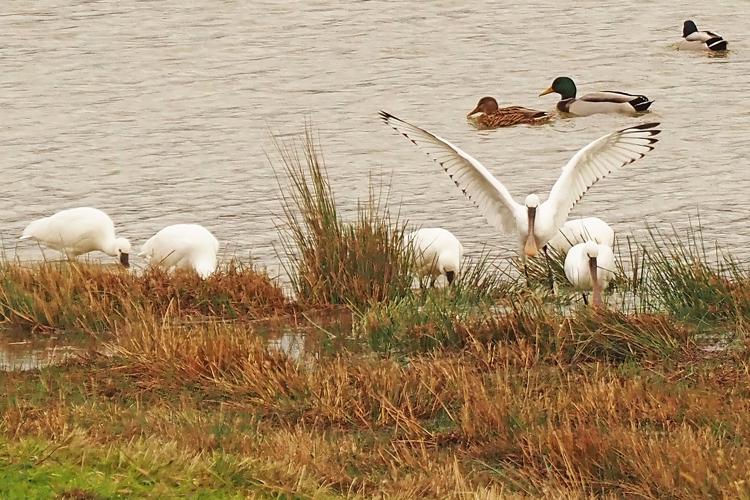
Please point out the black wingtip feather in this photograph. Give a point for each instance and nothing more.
(644, 126)
(385, 115)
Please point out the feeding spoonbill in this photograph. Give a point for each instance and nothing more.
(535, 222)
(590, 266)
(607, 101)
(437, 251)
(581, 230)
(183, 246)
(76, 231)
(692, 39)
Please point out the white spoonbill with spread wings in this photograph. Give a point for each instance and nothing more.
(535, 222)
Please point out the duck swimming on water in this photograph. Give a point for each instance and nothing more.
(487, 115)
(692, 39)
(607, 101)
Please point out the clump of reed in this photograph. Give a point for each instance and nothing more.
(536, 270)
(692, 281)
(93, 298)
(427, 319)
(229, 357)
(675, 274)
(329, 260)
(445, 320)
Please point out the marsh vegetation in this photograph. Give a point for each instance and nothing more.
(493, 386)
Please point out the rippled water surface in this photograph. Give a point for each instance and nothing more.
(159, 111)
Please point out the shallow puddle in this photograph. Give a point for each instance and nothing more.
(304, 339)
(20, 352)
(310, 336)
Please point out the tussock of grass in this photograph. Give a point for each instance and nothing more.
(537, 270)
(445, 318)
(230, 357)
(428, 319)
(331, 261)
(90, 298)
(691, 282)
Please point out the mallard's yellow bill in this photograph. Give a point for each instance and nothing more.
(548, 91)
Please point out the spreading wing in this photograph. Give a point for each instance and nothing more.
(594, 162)
(470, 176)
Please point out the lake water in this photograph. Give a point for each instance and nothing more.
(160, 112)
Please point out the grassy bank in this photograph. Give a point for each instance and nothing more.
(490, 388)
(213, 410)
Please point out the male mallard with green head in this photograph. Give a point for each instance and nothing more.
(488, 115)
(596, 102)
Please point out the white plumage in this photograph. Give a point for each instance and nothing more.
(533, 223)
(581, 230)
(77, 231)
(590, 266)
(692, 39)
(437, 251)
(183, 246)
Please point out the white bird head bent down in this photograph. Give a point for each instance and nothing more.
(183, 246)
(121, 250)
(437, 251)
(533, 223)
(590, 266)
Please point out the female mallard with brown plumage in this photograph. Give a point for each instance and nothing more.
(488, 115)
(607, 101)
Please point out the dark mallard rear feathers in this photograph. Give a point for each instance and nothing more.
(487, 115)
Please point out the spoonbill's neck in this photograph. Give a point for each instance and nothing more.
(595, 285)
(530, 248)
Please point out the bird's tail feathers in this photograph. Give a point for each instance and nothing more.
(641, 103)
(716, 43)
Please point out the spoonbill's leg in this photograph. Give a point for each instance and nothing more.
(585, 299)
(526, 271)
(549, 270)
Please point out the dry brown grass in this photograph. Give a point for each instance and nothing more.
(94, 299)
(490, 418)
